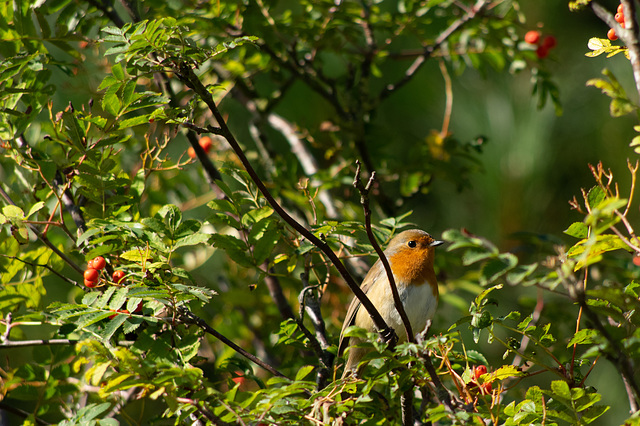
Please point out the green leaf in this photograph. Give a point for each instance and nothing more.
(191, 240)
(13, 213)
(589, 250)
(304, 372)
(577, 230)
(586, 336)
(560, 389)
(36, 207)
(504, 372)
(118, 72)
(235, 248)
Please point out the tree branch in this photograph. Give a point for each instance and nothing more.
(428, 51)
(43, 238)
(628, 35)
(189, 317)
(186, 74)
(364, 201)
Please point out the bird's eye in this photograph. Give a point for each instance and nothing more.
(412, 244)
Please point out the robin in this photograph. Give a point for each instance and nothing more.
(410, 256)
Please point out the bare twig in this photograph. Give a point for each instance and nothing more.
(19, 412)
(190, 318)
(364, 201)
(42, 265)
(309, 303)
(186, 74)
(43, 238)
(429, 50)
(202, 410)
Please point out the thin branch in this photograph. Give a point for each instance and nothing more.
(19, 412)
(42, 342)
(109, 11)
(70, 204)
(206, 413)
(429, 50)
(43, 238)
(443, 394)
(309, 303)
(617, 355)
(364, 201)
(186, 74)
(190, 318)
(41, 265)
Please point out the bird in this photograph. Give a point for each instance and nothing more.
(410, 255)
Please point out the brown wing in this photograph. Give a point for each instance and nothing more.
(354, 306)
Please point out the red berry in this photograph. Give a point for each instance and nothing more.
(191, 152)
(91, 274)
(90, 284)
(206, 143)
(98, 263)
(118, 276)
(619, 17)
(151, 120)
(532, 37)
(636, 260)
(620, 8)
(611, 34)
(486, 388)
(542, 52)
(139, 307)
(549, 42)
(480, 370)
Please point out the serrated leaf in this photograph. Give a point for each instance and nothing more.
(586, 336)
(504, 372)
(119, 298)
(113, 325)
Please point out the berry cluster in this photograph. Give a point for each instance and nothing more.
(611, 34)
(544, 44)
(205, 142)
(94, 270)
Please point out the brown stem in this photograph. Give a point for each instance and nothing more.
(43, 238)
(186, 74)
(364, 201)
(190, 317)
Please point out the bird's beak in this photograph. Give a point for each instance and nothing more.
(436, 243)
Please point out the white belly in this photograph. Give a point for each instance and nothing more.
(421, 308)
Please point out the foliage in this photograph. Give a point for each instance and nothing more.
(219, 252)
